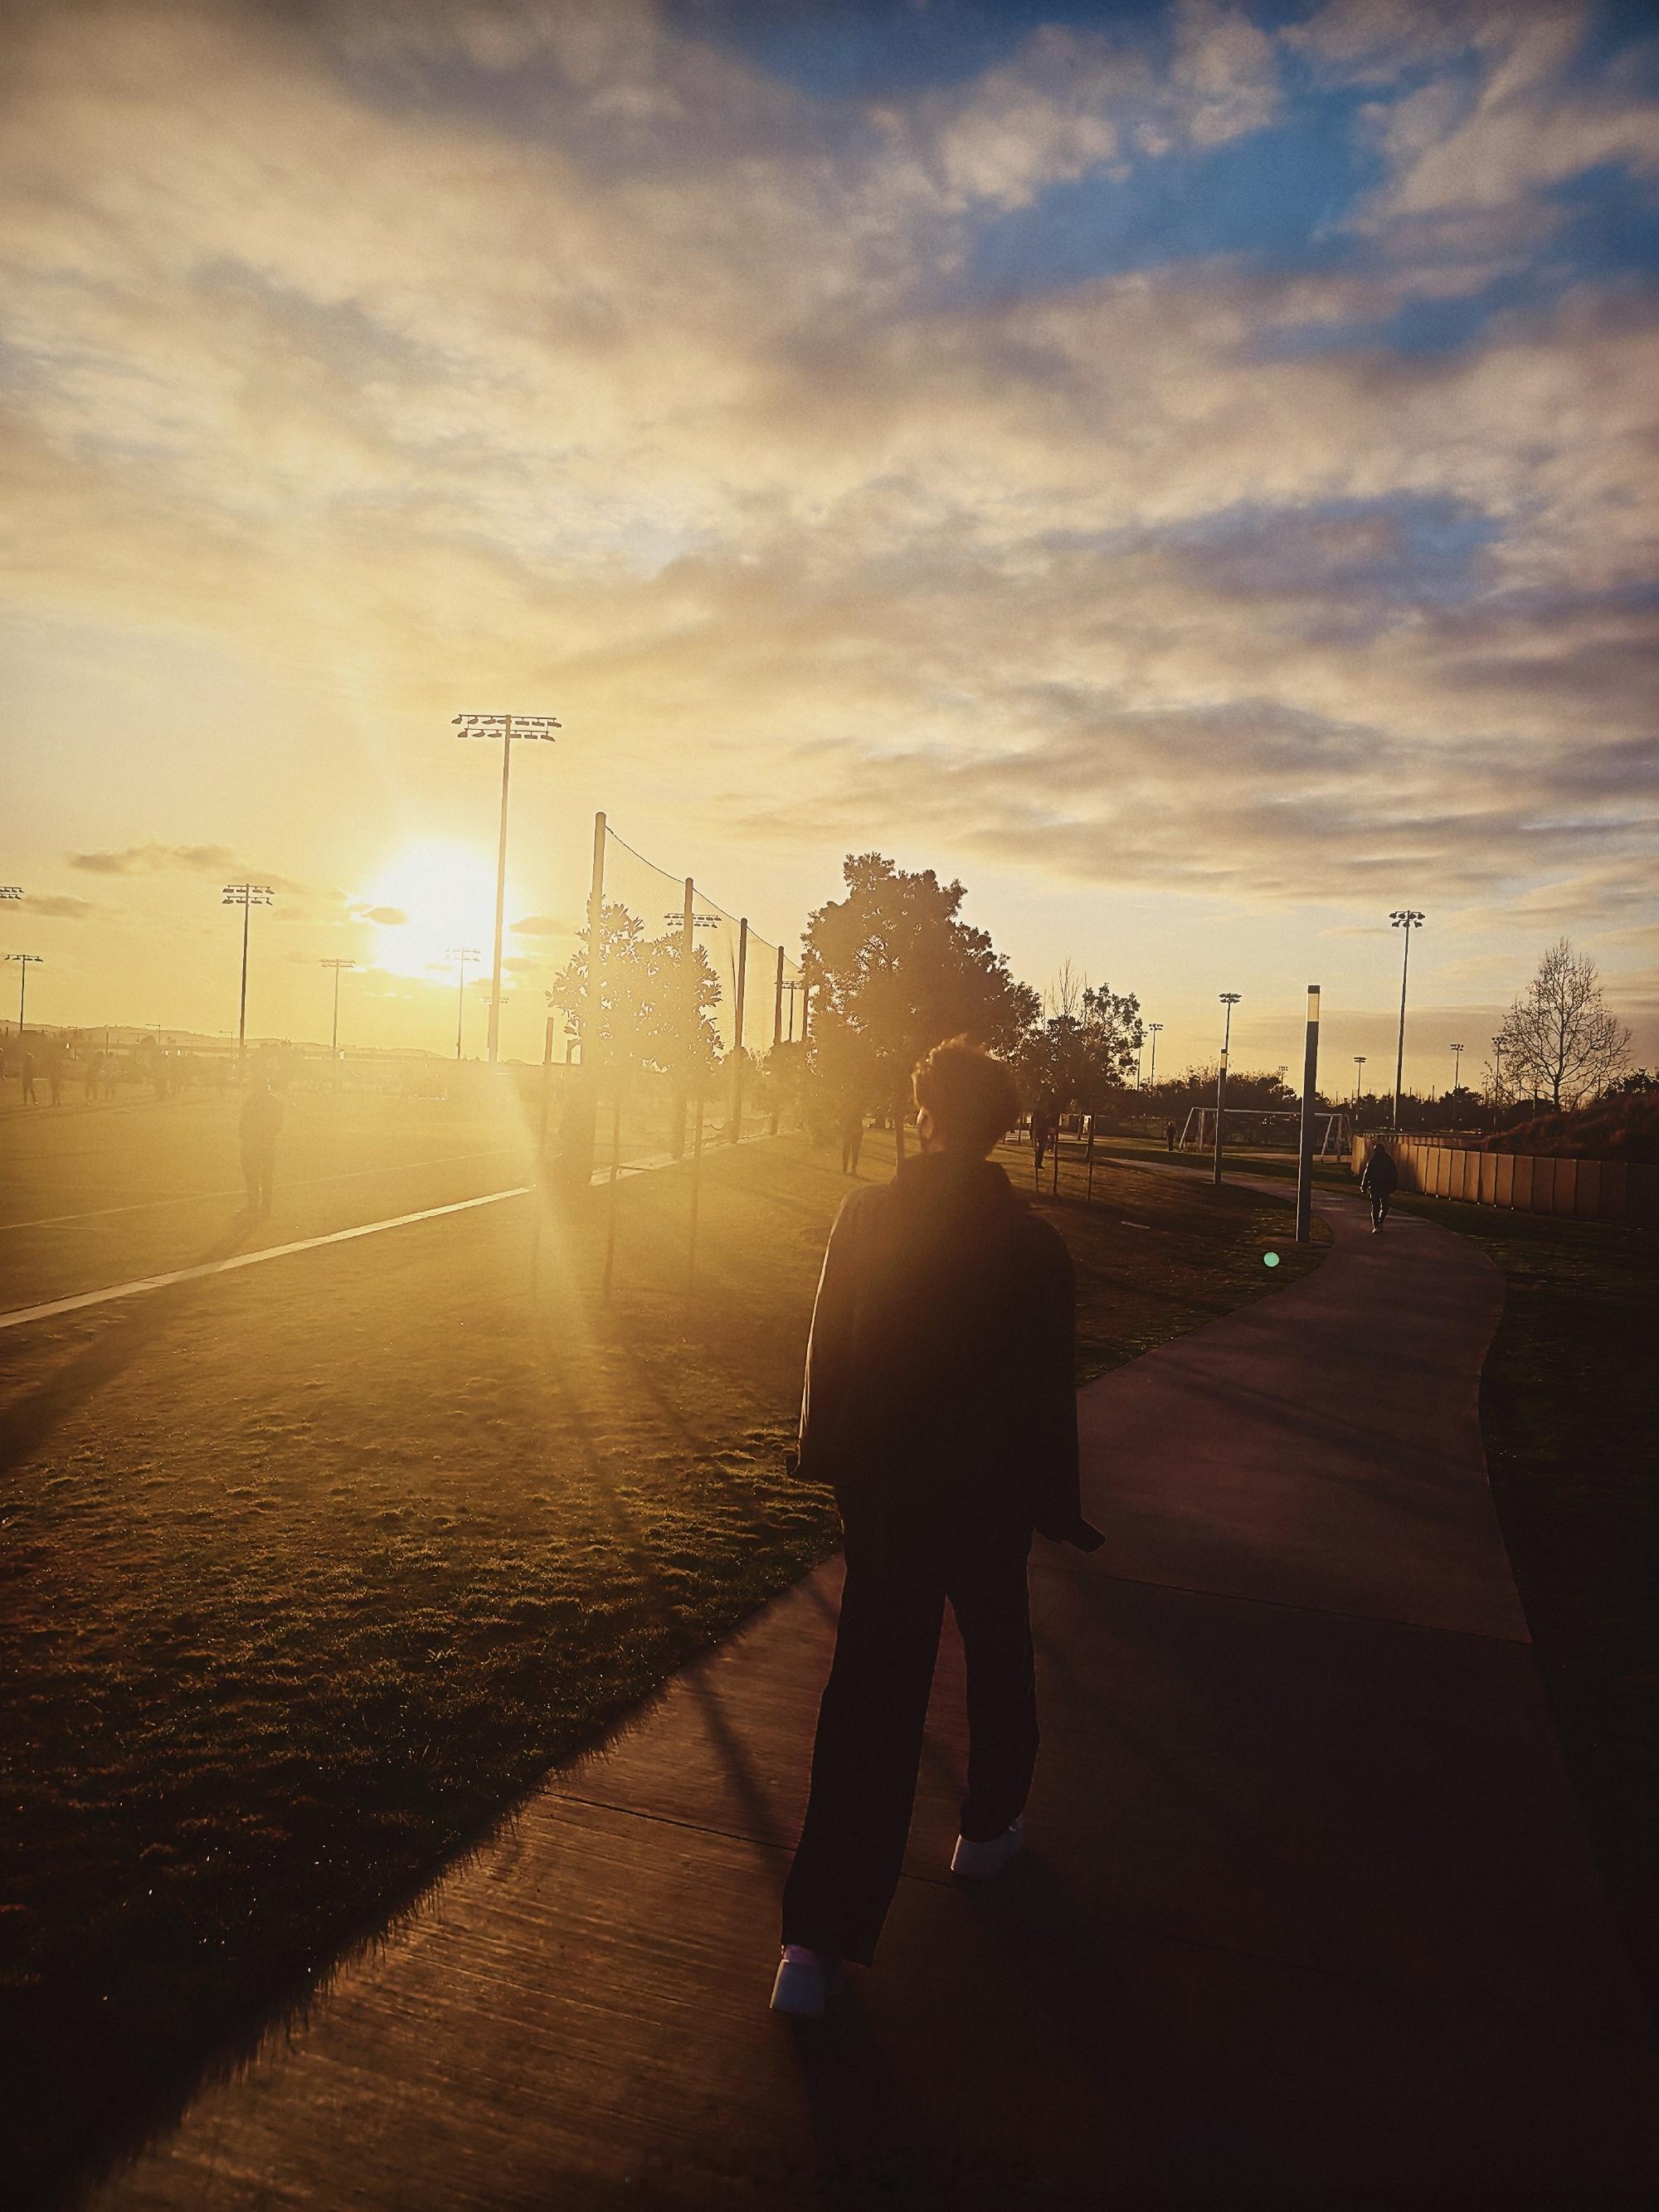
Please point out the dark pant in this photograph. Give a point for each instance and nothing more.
(868, 1750)
(1380, 1206)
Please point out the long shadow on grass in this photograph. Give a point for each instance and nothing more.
(113, 1348)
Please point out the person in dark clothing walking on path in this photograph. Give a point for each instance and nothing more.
(1377, 1179)
(852, 1134)
(262, 1117)
(1045, 1127)
(1168, 1136)
(940, 1404)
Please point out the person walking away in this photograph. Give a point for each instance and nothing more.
(94, 1070)
(940, 1406)
(1168, 1136)
(1378, 1179)
(1043, 1135)
(29, 1098)
(852, 1135)
(55, 1072)
(262, 1117)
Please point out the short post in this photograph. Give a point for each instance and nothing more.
(777, 1034)
(696, 1192)
(1309, 1088)
(1089, 1193)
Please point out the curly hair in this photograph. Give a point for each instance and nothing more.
(971, 1095)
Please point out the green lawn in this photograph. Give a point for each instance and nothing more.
(1569, 1409)
(311, 1571)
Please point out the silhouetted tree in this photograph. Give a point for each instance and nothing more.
(1561, 1041)
(897, 969)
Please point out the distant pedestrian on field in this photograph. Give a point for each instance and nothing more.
(852, 1135)
(1377, 1179)
(1045, 1127)
(262, 1117)
(1168, 1136)
(940, 1405)
(94, 1069)
(29, 1098)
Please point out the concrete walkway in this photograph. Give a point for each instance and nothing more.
(1309, 1916)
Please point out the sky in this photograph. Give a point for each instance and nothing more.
(1188, 472)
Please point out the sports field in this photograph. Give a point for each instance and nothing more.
(314, 1565)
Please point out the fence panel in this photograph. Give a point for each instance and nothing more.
(1587, 1190)
(1504, 1191)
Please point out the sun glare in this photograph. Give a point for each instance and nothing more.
(446, 890)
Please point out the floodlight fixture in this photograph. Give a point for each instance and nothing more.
(1406, 918)
(1457, 1067)
(246, 896)
(506, 727)
(1152, 1029)
(11, 890)
(25, 961)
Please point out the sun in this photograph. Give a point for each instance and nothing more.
(446, 892)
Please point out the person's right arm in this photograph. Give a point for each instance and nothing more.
(830, 1346)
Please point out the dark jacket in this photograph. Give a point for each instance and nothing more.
(1379, 1175)
(262, 1117)
(939, 1384)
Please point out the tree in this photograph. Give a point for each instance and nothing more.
(640, 1023)
(1561, 1041)
(1086, 1047)
(895, 969)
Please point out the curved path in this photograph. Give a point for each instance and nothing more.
(1308, 1916)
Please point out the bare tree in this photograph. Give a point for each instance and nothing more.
(1064, 998)
(1561, 1040)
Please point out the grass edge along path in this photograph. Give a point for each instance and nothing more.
(264, 1790)
(1569, 1410)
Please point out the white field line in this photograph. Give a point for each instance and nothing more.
(19, 1315)
(299, 1182)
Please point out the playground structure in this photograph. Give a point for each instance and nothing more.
(1334, 1140)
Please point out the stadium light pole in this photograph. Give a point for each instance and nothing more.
(1152, 1029)
(25, 961)
(463, 955)
(1408, 919)
(334, 1033)
(247, 896)
(1230, 999)
(506, 727)
(1496, 1072)
(1359, 1074)
(1457, 1068)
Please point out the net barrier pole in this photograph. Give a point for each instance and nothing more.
(737, 1023)
(583, 1118)
(1304, 1144)
(689, 1011)
(697, 1194)
(616, 1158)
(1054, 1170)
(1089, 1195)
(540, 1193)
(495, 1031)
(777, 1035)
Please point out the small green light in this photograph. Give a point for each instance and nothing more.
(1270, 1259)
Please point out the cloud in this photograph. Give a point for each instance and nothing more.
(64, 908)
(387, 917)
(545, 925)
(152, 856)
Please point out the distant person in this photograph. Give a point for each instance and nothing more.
(1378, 1179)
(262, 1117)
(94, 1070)
(1045, 1128)
(940, 1405)
(55, 1072)
(852, 1135)
(112, 1068)
(1168, 1136)
(29, 1098)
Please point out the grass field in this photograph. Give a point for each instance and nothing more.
(1569, 1409)
(312, 1568)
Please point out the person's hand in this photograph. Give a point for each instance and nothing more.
(1081, 1534)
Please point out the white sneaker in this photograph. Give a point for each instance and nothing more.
(806, 1980)
(979, 1862)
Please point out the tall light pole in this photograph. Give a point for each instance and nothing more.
(791, 984)
(1359, 1074)
(1408, 919)
(334, 1034)
(1230, 999)
(247, 896)
(506, 727)
(1152, 1029)
(1496, 1072)
(464, 955)
(1457, 1068)
(25, 961)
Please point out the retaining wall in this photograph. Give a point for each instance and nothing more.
(1623, 1193)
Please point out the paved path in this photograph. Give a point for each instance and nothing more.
(1309, 1917)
